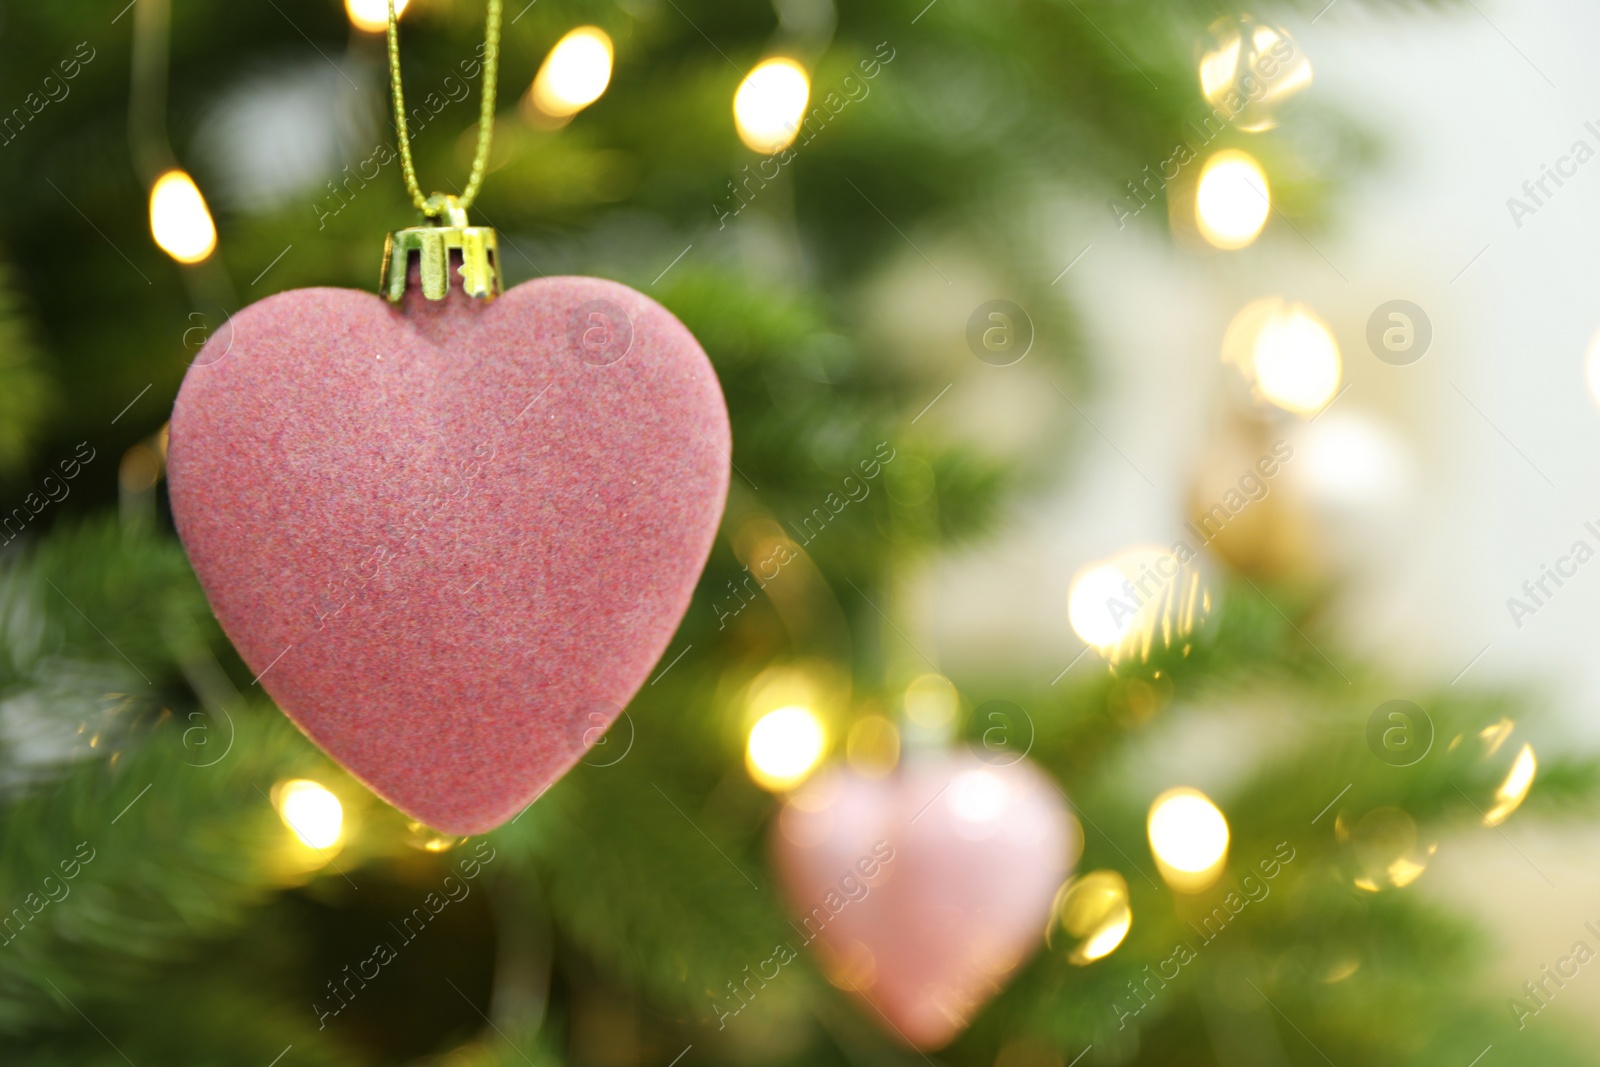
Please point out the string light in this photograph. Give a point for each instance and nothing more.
(784, 747)
(1093, 910)
(1189, 837)
(311, 811)
(1385, 847)
(1286, 352)
(1296, 361)
(422, 836)
(770, 103)
(1514, 790)
(1233, 200)
(179, 219)
(574, 74)
(372, 16)
(1144, 599)
(1093, 589)
(1250, 70)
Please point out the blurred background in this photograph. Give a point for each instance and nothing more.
(1285, 306)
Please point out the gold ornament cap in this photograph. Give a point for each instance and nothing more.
(444, 231)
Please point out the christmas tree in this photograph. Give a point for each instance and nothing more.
(156, 905)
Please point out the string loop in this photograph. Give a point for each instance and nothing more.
(430, 207)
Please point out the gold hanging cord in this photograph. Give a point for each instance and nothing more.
(450, 233)
(491, 71)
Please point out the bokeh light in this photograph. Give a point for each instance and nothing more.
(1250, 69)
(784, 747)
(1286, 352)
(425, 838)
(1514, 790)
(180, 222)
(1189, 838)
(1093, 913)
(1233, 199)
(310, 810)
(770, 104)
(372, 16)
(1141, 599)
(1386, 847)
(1297, 361)
(1094, 589)
(574, 74)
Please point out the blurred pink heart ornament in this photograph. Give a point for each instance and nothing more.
(924, 890)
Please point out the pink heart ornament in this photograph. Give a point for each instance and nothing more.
(926, 889)
(451, 540)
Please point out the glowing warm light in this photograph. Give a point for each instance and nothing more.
(179, 219)
(784, 747)
(1093, 910)
(1233, 200)
(372, 16)
(1296, 360)
(311, 811)
(1187, 831)
(1143, 599)
(1250, 70)
(1217, 69)
(770, 104)
(1189, 837)
(424, 837)
(1405, 870)
(575, 73)
(1494, 735)
(1387, 849)
(1105, 941)
(1091, 600)
(1286, 352)
(1514, 790)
